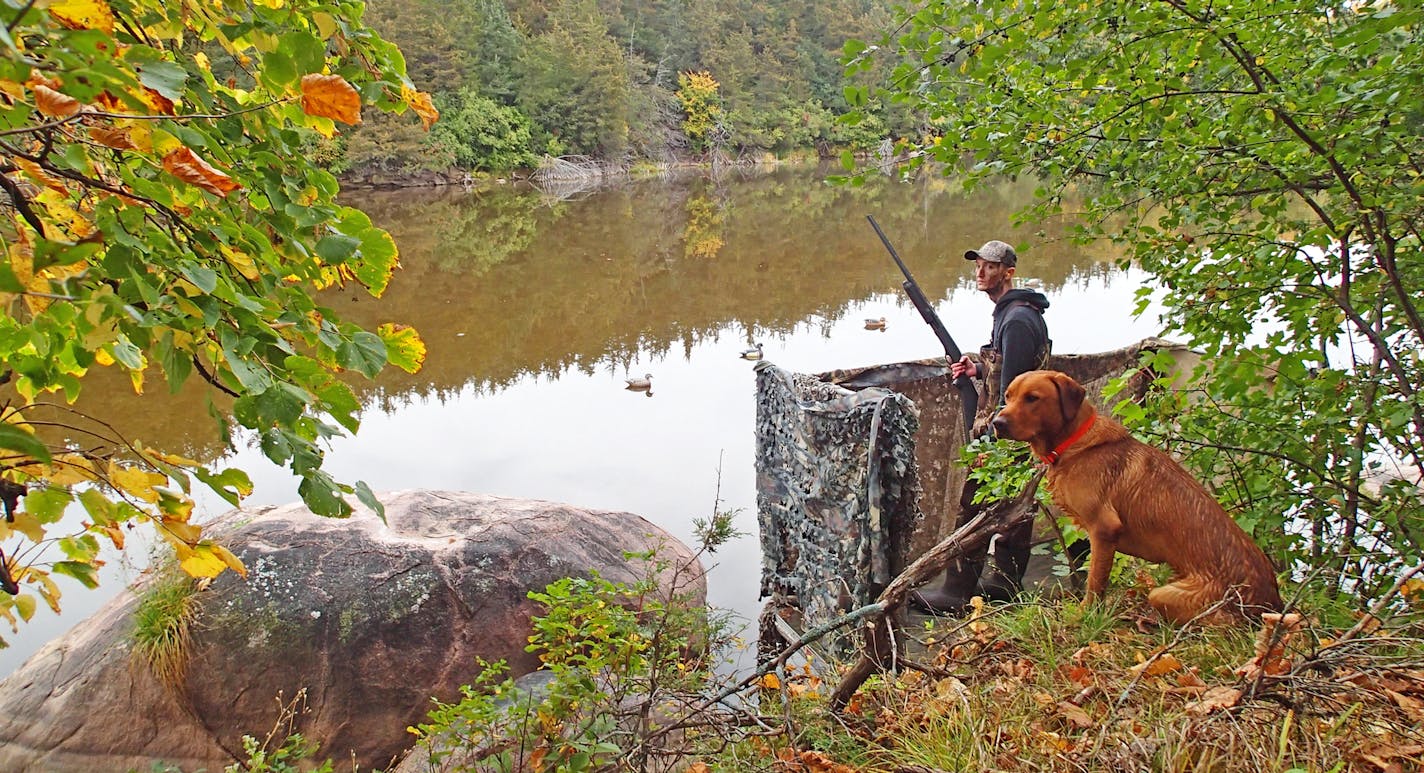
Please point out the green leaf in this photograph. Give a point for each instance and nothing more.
(307, 52)
(167, 78)
(364, 353)
(366, 497)
(279, 72)
(47, 504)
(321, 494)
(335, 249)
(13, 438)
(378, 260)
(9, 283)
(202, 277)
(127, 354)
(83, 572)
(98, 507)
(49, 252)
(231, 484)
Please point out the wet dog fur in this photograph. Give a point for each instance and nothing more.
(1135, 498)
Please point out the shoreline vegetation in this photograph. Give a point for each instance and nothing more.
(659, 86)
(577, 170)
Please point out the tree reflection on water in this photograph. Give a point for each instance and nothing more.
(536, 309)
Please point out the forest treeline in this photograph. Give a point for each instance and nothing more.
(516, 80)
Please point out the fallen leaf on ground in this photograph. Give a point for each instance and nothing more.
(1079, 675)
(1165, 663)
(1075, 715)
(1272, 658)
(1412, 706)
(1214, 699)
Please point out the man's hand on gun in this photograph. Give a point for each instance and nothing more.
(964, 367)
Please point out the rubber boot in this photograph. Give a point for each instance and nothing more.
(952, 593)
(1004, 579)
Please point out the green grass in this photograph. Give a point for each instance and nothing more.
(162, 626)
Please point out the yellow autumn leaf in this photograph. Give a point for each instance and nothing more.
(176, 460)
(181, 549)
(307, 196)
(203, 562)
(74, 224)
(156, 102)
(242, 262)
(136, 379)
(769, 682)
(25, 605)
(420, 102)
(176, 505)
(404, 348)
(48, 590)
(25, 524)
(83, 14)
(330, 96)
(38, 175)
(135, 482)
(69, 469)
(325, 24)
(142, 137)
(233, 562)
(187, 533)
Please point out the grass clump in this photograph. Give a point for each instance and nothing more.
(162, 626)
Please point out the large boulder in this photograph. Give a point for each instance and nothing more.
(371, 619)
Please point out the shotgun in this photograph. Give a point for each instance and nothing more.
(968, 395)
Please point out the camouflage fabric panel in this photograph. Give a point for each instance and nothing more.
(836, 497)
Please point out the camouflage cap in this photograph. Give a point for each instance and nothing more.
(994, 251)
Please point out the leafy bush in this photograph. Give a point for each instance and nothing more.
(483, 135)
(616, 654)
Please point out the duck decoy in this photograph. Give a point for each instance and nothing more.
(875, 324)
(751, 354)
(640, 384)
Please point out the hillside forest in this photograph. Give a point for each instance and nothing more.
(619, 82)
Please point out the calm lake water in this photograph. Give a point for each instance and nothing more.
(535, 308)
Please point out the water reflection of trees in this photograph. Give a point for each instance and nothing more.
(503, 285)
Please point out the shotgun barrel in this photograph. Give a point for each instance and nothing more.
(968, 395)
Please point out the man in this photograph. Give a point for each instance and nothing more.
(1018, 343)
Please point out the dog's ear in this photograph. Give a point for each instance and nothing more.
(1070, 396)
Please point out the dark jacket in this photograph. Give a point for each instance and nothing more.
(1020, 335)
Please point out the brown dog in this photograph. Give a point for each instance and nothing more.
(1134, 498)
